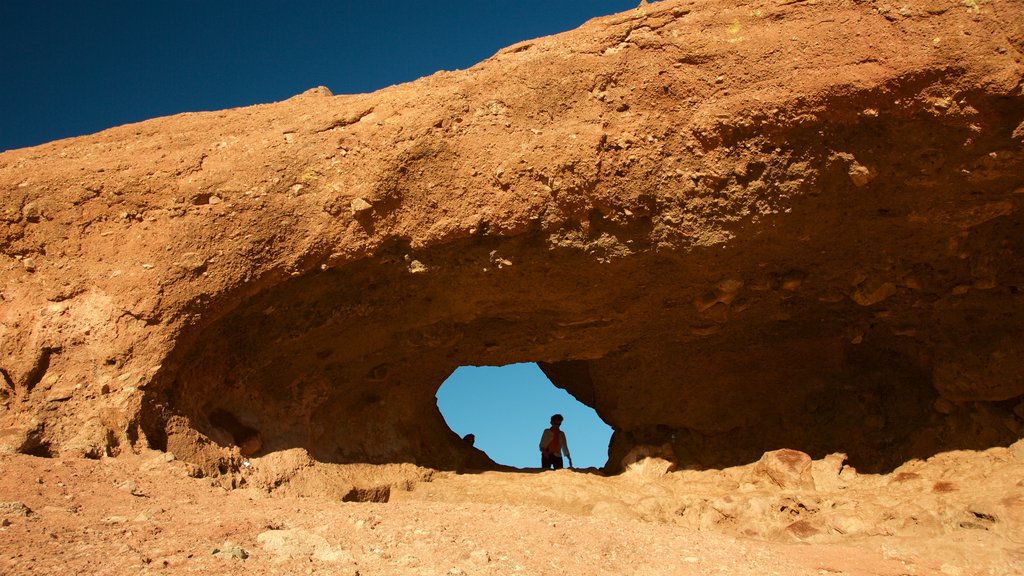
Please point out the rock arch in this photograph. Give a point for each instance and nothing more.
(827, 260)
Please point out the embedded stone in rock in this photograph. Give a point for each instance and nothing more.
(14, 509)
(31, 212)
(684, 214)
(827, 473)
(860, 175)
(659, 459)
(786, 469)
(192, 261)
(1017, 450)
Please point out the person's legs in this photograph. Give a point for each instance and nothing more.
(550, 462)
(556, 462)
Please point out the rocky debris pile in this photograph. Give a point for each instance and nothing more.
(942, 508)
(501, 523)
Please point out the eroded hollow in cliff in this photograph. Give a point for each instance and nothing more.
(505, 408)
(714, 354)
(346, 362)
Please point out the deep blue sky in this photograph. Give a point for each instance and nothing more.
(73, 67)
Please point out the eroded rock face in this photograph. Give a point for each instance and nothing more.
(728, 229)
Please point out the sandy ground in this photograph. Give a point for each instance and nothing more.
(144, 514)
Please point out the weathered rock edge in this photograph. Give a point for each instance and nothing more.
(727, 228)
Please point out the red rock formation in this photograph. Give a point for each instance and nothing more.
(727, 228)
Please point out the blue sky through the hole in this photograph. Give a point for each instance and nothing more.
(508, 407)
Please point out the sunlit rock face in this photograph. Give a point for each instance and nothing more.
(728, 229)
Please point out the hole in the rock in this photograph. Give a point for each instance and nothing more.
(506, 409)
(345, 363)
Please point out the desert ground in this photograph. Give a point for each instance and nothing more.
(955, 514)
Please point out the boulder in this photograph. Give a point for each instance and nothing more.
(785, 469)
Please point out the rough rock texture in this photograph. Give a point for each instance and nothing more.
(961, 511)
(958, 513)
(729, 228)
(69, 516)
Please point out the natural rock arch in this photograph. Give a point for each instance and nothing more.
(826, 259)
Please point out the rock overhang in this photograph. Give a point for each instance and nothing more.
(719, 230)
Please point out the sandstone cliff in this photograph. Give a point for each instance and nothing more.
(727, 227)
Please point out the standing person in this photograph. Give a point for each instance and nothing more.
(553, 445)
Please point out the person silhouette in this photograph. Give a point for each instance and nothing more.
(553, 445)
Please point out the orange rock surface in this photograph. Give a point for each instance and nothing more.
(728, 228)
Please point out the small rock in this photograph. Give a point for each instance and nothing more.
(232, 551)
(5, 523)
(848, 474)
(417, 267)
(827, 470)
(14, 509)
(1017, 450)
(31, 212)
(871, 295)
(649, 467)
(360, 205)
(192, 261)
(860, 175)
(29, 264)
(128, 486)
(793, 280)
(786, 469)
(803, 529)
(114, 520)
